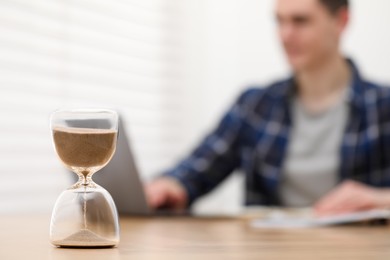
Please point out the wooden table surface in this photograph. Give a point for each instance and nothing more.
(199, 238)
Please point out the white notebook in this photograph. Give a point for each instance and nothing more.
(285, 219)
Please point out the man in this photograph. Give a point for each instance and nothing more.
(321, 138)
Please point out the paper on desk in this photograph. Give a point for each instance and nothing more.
(280, 219)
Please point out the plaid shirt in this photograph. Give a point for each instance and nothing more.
(253, 136)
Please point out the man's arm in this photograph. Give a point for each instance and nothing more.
(351, 196)
(210, 163)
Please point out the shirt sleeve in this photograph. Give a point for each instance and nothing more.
(216, 156)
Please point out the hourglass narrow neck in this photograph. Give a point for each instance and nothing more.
(85, 176)
(85, 180)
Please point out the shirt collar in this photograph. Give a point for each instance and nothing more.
(354, 97)
(356, 93)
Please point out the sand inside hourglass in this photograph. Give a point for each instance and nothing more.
(84, 150)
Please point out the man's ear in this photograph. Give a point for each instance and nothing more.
(342, 17)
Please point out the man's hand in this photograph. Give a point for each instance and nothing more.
(352, 196)
(166, 192)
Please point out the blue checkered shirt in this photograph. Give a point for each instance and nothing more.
(253, 137)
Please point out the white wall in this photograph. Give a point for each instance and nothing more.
(233, 43)
(118, 54)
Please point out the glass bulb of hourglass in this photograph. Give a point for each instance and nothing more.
(83, 150)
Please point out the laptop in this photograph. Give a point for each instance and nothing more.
(121, 178)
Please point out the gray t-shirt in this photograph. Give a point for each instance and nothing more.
(313, 155)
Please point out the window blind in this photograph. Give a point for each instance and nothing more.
(122, 54)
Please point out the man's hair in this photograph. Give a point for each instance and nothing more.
(335, 5)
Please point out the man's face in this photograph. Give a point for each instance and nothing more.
(308, 31)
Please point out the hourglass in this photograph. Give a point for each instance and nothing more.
(85, 214)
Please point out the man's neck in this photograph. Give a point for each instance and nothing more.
(322, 85)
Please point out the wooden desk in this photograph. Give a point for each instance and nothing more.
(195, 238)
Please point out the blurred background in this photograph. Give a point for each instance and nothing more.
(171, 67)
